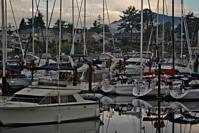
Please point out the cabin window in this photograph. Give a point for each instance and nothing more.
(55, 100)
(69, 98)
(25, 98)
(49, 100)
(46, 100)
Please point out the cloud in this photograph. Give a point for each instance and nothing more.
(22, 9)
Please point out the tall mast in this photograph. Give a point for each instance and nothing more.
(141, 40)
(46, 27)
(85, 51)
(4, 89)
(182, 19)
(6, 24)
(103, 26)
(60, 42)
(60, 30)
(72, 52)
(163, 30)
(33, 29)
(157, 30)
(173, 45)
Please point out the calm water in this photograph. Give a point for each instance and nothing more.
(127, 115)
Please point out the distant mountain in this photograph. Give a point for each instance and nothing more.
(177, 20)
(114, 25)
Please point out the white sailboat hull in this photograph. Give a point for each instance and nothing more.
(150, 92)
(48, 113)
(185, 94)
(119, 89)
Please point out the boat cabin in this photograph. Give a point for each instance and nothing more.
(46, 96)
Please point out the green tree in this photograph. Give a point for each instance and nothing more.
(98, 26)
(57, 23)
(193, 26)
(148, 17)
(130, 20)
(38, 21)
(22, 25)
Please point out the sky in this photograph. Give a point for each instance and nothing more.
(22, 8)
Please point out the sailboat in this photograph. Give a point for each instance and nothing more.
(141, 87)
(39, 104)
(187, 89)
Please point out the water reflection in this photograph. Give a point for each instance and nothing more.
(126, 114)
(142, 116)
(91, 126)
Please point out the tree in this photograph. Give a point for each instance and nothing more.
(38, 21)
(147, 17)
(193, 26)
(22, 25)
(57, 23)
(130, 19)
(98, 26)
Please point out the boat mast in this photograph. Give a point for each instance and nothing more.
(72, 52)
(182, 20)
(140, 113)
(46, 28)
(173, 45)
(163, 29)
(6, 24)
(60, 43)
(33, 29)
(103, 26)
(141, 40)
(4, 89)
(85, 50)
(157, 30)
(60, 30)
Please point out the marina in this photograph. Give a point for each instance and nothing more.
(100, 67)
